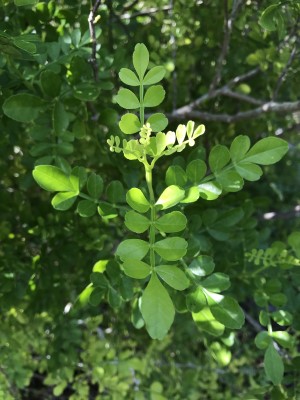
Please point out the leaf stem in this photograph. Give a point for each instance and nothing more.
(148, 172)
(142, 110)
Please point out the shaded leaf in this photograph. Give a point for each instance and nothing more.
(136, 269)
(136, 222)
(157, 309)
(132, 249)
(174, 221)
(127, 99)
(273, 365)
(173, 276)
(171, 249)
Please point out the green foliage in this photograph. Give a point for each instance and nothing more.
(159, 244)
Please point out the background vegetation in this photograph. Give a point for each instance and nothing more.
(232, 65)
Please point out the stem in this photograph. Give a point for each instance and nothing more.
(142, 111)
(270, 329)
(148, 171)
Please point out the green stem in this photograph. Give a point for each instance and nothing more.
(270, 329)
(148, 171)
(142, 115)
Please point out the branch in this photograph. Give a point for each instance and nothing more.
(243, 97)
(281, 215)
(279, 108)
(217, 92)
(92, 22)
(228, 21)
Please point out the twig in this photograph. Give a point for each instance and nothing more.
(281, 215)
(243, 97)
(257, 327)
(92, 23)
(228, 21)
(279, 108)
(284, 72)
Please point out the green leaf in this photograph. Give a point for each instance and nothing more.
(60, 118)
(196, 300)
(195, 171)
(267, 151)
(79, 129)
(96, 296)
(24, 45)
(180, 133)
(130, 124)
(171, 249)
(268, 18)
(137, 200)
(239, 147)
(216, 282)
(273, 365)
(95, 185)
(171, 196)
(86, 208)
(127, 99)
(129, 77)
(262, 340)
(155, 75)
(115, 192)
(157, 309)
(136, 269)
(282, 317)
(23, 107)
(207, 322)
(226, 310)
(54, 179)
(230, 181)
(51, 83)
(107, 211)
(114, 299)
(158, 122)
(136, 222)
(191, 195)
(154, 96)
(210, 190)
(161, 142)
(218, 158)
(202, 266)
(173, 276)
(140, 59)
(86, 91)
(20, 3)
(64, 200)
(250, 172)
(172, 222)
(175, 175)
(294, 242)
(133, 249)
(198, 131)
(99, 280)
(81, 174)
(283, 338)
